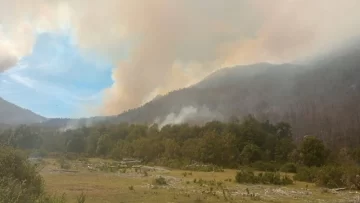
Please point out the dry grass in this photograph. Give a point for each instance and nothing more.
(102, 187)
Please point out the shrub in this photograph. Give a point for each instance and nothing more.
(339, 176)
(306, 174)
(263, 178)
(330, 177)
(286, 180)
(81, 198)
(63, 163)
(351, 177)
(51, 199)
(204, 168)
(72, 156)
(160, 181)
(274, 179)
(264, 166)
(288, 168)
(40, 153)
(18, 178)
(246, 177)
(21, 183)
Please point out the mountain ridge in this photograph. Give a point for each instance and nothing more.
(11, 114)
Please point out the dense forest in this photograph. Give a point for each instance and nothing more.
(224, 144)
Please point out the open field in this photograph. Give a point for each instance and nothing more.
(135, 185)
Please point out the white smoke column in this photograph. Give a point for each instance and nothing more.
(172, 118)
(188, 113)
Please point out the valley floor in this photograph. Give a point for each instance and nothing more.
(134, 186)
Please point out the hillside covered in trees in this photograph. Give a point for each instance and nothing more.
(319, 97)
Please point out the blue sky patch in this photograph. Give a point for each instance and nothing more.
(57, 79)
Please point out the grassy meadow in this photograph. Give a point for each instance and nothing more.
(136, 185)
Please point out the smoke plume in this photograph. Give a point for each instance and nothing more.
(20, 21)
(172, 44)
(189, 113)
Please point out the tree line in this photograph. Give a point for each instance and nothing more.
(223, 144)
(249, 143)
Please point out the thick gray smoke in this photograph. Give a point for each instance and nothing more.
(175, 43)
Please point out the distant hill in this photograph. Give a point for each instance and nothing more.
(10, 114)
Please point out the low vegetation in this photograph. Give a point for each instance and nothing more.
(20, 181)
(159, 181)
(266, 178)
(331, 176)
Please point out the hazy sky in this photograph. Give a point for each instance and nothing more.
(85, 57)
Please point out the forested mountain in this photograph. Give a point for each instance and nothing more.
(321, 97)
(11, 114)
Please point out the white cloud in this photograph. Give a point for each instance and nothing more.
(23, 80)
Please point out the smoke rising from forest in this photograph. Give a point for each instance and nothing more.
(188, 113)
(172, 44)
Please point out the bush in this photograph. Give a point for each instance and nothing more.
(289, 168)
(160, 181)
(18, 178)
(264, 166)
(21, 183)
(262, 178)
(51, 199)
(352, 177)
(339, 176)
(330, 177)
(246, 177)
(63, 163)
(81, 198)
(39, 153)
(306, 174)
(204, 168)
